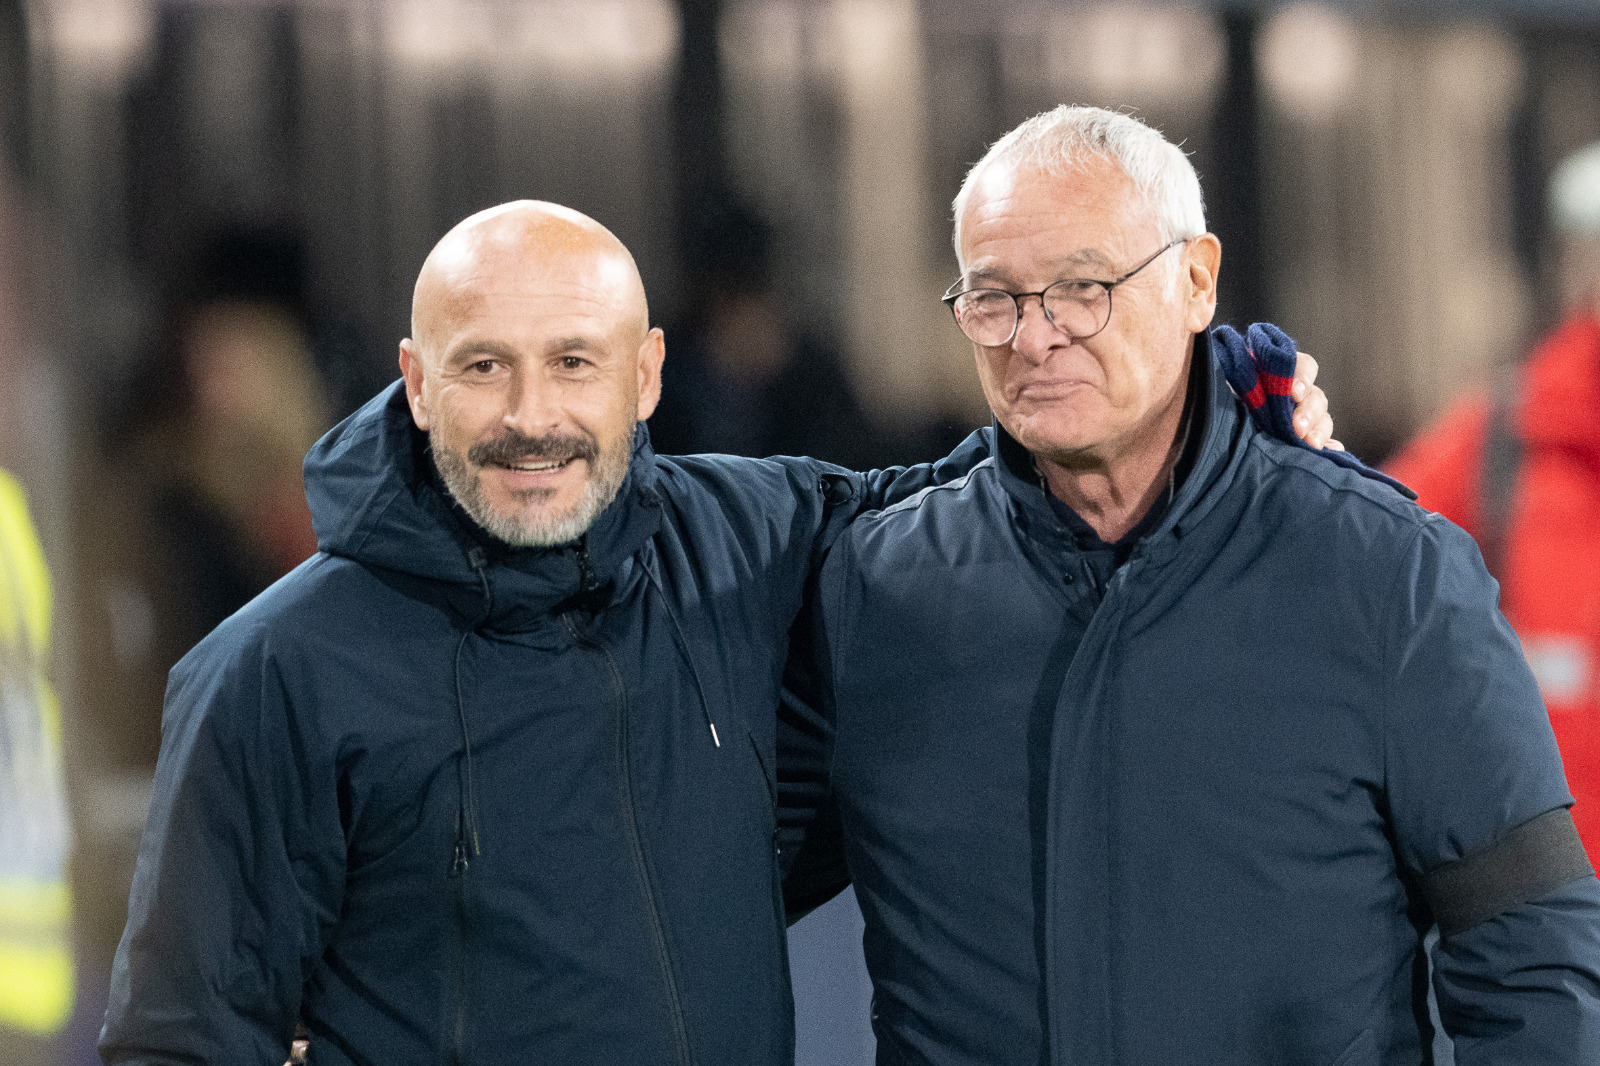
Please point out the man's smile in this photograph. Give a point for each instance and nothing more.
(531, 472)
(531, 465)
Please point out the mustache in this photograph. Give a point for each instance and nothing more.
(510, 446)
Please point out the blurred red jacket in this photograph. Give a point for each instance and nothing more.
(1548, 553)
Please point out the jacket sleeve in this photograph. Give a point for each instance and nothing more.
(1470, 762)
(810, 838)
(881, 488)
(240, 872)
(808, 834)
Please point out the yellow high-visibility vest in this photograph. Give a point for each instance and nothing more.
(36, 978)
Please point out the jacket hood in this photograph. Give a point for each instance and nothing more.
(1220, 426)
(375, 498)
(1561, 388)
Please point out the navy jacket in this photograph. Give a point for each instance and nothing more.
(592, 881)
(1180, 817)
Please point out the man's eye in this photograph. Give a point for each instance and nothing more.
(573, 362)
(482, 366)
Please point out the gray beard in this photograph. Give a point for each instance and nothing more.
(464, 482)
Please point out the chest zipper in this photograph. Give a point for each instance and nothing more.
(466, 846)
(630, 823)
(462, 960)
(1103, 620)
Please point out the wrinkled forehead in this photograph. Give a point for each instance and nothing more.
(1089, 208)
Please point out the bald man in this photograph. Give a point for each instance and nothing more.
(491, 778)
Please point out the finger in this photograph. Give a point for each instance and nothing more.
(1305, 376)
(1321, 432)
(1334, 446)
(1311, 413)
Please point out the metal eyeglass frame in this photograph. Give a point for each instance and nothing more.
(949, 298)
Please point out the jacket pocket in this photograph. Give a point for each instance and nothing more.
(769, 792)
(889, 1052)
(769, 780)
(1363, 1051)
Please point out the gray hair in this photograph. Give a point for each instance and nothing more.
(1061, 141)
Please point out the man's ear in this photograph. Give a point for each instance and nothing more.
(652, 353)
(1202, 262)
(411, 370)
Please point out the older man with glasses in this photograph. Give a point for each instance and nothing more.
(1155, 740)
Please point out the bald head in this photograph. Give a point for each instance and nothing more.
(523, 241)
(530, 362)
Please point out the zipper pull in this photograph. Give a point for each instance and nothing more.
(586, 579)
(460, 862)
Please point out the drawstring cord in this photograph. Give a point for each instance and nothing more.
(467, 819)
(683, 646)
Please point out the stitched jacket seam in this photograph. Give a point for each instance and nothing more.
(1387, 636)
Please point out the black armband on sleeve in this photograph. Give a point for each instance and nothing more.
(1538, 856)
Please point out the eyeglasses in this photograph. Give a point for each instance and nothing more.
(1078, 307)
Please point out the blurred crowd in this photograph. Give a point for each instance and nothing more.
(152, 429)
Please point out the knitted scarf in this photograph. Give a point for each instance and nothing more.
(1260, 367)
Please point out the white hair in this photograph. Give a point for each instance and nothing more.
(1059, 142)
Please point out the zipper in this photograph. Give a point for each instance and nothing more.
(630, 824)
(1101, 633)
(586, 577)
(1103, 619)
(466, 843)
(458, 1024)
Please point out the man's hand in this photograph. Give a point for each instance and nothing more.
(1312, 422)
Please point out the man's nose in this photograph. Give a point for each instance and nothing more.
(531, 407)
(1035, 334)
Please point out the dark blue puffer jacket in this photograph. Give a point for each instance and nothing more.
(593, 881)
(1184, 812)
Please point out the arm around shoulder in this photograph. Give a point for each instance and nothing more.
(882, 488)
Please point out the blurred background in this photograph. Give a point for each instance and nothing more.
(212, 212)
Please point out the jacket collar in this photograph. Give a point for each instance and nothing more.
(1222, 428)
(376, 498)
